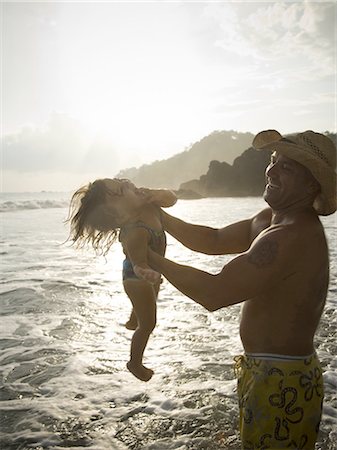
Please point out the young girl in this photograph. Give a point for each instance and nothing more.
(97, 212)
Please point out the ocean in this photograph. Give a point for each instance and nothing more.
(63, 346)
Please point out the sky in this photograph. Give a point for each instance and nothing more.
(90, 88)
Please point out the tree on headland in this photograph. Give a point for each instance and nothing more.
(192, 162)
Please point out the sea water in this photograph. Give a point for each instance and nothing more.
(64, 347)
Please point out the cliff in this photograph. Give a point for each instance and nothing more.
(244, 178)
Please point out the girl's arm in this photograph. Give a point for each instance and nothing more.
(135, 244)
(163, 198)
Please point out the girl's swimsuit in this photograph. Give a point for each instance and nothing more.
(157, 244)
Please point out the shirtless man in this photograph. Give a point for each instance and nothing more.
(281, 274)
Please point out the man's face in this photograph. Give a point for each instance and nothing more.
(288, 183)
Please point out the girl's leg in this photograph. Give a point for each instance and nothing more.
(143, 296)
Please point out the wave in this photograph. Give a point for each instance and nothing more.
(9, 206)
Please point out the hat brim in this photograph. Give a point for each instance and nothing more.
(325, 203)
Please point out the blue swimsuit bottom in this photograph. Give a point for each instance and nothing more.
(128, 270)
(157, 244)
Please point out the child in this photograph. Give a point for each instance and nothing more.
(98, 211)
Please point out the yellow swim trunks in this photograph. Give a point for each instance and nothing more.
(280, 401)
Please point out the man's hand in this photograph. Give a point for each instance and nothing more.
(147, 274)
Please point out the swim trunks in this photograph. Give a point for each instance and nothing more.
(157, 243)
(280, 400)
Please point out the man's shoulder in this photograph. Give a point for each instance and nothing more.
(260, 222)
(283, 236)
(295, 227)
(281, 231)
(264, 214)
(276, 246)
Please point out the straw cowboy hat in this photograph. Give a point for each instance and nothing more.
(314, 151)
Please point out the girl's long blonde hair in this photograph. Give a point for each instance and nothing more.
(91, 223)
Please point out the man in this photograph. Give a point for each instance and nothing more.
(281, 274)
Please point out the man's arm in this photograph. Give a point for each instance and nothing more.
(250, 274)
(234, 238)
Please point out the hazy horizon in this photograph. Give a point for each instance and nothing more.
(91, 88)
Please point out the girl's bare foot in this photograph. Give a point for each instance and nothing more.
(139, 371)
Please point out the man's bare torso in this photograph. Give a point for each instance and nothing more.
(284, 318)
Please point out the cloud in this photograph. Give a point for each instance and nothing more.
(61, 145)
(55, 145)
(291, 35)
(278, 57)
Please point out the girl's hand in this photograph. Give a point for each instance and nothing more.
(146, 274)
(159, 197)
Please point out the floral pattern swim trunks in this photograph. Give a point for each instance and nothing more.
(280, 401)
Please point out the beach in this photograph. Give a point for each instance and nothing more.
(64, 347)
